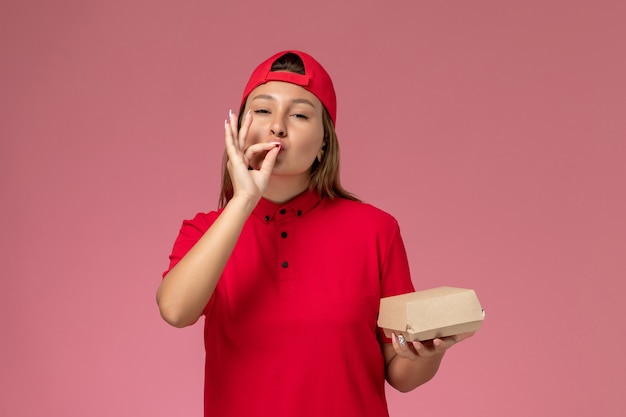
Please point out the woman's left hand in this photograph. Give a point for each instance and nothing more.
(426, 349)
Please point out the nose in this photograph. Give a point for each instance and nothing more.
(278, 127)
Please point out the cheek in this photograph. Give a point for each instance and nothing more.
(317, 140)
(254, 135)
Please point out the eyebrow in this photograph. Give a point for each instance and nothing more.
(294, 101)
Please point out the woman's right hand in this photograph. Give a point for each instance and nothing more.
(186, 290)
(247, 181)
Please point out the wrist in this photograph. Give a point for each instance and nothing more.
(243, 203)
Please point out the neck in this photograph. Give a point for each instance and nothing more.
(282, 189)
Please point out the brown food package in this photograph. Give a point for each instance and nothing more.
(429, 314)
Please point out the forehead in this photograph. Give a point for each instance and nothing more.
(283, 91)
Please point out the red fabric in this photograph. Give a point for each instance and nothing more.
(316, 80)
(300, 339)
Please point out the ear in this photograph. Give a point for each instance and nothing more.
(320, 154)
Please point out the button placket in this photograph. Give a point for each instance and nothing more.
(284, 224)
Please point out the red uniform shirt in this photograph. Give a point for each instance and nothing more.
(291, 328)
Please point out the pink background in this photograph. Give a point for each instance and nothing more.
(493, 130)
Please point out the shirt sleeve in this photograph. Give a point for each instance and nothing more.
(395, 273)
(190, 232)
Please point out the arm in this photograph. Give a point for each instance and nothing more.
(188, 287)
(412, 364)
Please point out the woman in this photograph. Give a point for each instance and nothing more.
(290, 270)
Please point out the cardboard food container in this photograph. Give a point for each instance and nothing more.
(428, 314)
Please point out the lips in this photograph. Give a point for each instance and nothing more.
(282, 146)
(257, 160)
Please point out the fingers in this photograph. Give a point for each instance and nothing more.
(447, 342)
(402, 347)
(249, 168)
(236, 141)
(243, 131)
(426, 349)
(238, 135)
(270, 159)
(438, 347)
(254, 153)
(231, 149)
(235, 138)
(232, 124)
(258, 148)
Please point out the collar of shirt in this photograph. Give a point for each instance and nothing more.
(297, 206)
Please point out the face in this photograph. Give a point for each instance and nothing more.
(289, 114)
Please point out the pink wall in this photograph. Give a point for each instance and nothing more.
(493, 130)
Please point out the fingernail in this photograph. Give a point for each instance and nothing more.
(230, 114)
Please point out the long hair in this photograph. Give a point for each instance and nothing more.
(324, 177)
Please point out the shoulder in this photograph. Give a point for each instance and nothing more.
(359, 208)
(360, 212)
(201, 221)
